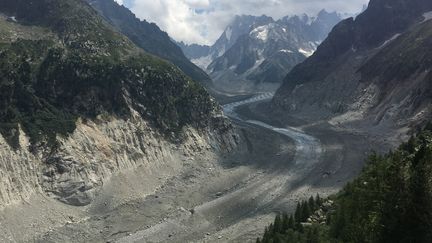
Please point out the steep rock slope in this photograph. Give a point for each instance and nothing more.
(80, 102)
(261, 58)
(148, 36)
(373, 68)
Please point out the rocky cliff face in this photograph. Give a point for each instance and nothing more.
(80, 102)
(95, 151)
(366, 70)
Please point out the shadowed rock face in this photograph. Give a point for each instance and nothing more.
(79, 102)
(366, 66)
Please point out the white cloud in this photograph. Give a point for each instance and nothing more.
(119, 2)
(203, 21)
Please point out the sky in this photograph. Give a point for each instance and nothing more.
(203, 21)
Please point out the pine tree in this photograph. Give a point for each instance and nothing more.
(313, 235)
(306, 212)
(309, 236)
(312, 205)
(285, 222)
(291, 223)
(419, 217)
(298, 213)
(318, 201)
(277, 227)
(267, 234)
(338, 223)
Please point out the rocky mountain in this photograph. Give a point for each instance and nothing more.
(262, 57)
(257, 52)
(375, 68)
(241, 25)
(148, 36)
(80, 102)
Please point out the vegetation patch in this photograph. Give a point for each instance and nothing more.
(391, 201)
(85, 69)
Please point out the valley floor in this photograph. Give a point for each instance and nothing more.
(212, 199)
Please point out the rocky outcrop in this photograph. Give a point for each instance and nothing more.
(94, 152)
(19, 172)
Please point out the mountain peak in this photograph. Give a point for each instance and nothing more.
(323, 12)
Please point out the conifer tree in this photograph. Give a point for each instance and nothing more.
(312, 205)
(298, 213)
(291, 223)
(285, 222)
(277, 226)
(306, 212)
(318, 201)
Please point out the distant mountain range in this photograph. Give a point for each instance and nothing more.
(256, 53)
(241, 25)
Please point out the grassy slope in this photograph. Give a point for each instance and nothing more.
(83, 68)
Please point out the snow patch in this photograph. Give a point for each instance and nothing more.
(12, 19)
(228, 33)
(232, 67)
(120, 2)
(306, 53)
(203, 62)
(427, 16)
(261, 33)
(389, 40)
(286, 51)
